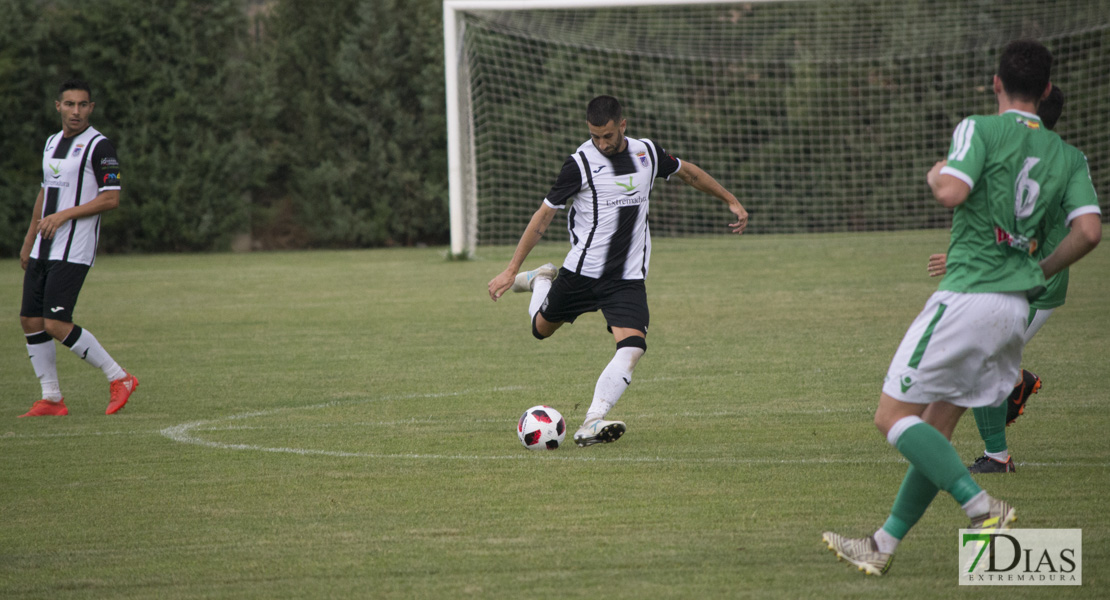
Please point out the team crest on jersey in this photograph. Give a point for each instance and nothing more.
(643, 158)
(1029, 123)
(77, 150)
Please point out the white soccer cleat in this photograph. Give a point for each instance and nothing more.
(599, 431)
(862, 553)
(998, 517)
(525, 281)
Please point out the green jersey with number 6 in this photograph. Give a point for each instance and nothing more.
(1024, 179)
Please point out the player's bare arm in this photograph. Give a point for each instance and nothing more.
(1085, 234)
(537, 226)
(697, 178)
(938, 265)
(104, 202)
(32, 232)
(949, 191)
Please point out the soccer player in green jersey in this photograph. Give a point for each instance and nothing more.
(1004, 176)
(993, 420)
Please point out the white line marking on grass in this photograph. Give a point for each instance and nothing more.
(186, 433)
(32, 436)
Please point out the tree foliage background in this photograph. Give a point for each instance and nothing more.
(299, 124)
(304, 124)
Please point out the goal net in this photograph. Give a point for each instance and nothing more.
(821, 116)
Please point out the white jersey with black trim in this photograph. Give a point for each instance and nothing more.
(608, 197)
(75, 170)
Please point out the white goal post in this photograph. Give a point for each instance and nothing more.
(820, 115)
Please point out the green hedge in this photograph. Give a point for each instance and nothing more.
(308, 124)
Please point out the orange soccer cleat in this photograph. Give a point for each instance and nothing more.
(121, 390)
(47, 408)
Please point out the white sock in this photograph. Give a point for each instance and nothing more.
(540, 288)
(613, 381)
(1001, 457)
(979, 505)
(886, 542)
(90, 350)
(44, 361)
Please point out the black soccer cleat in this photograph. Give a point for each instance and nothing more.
(1015, 404)
(986, 464)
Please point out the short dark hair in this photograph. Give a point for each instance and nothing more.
(1050, 108)
(602, 110)
(1025, 69)
(74, 84)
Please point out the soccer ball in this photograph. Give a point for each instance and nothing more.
(541, 428)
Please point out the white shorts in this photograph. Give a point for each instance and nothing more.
(964, 349)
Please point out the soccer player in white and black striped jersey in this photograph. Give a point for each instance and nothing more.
(607, 183)
(81, 180)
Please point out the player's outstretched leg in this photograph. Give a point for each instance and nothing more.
(863, 553)
(526, 280)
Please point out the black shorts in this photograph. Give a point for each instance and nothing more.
(50, 289)
(623, 302)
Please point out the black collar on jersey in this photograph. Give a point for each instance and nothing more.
(622, 162)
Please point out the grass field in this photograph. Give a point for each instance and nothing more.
(341, 425)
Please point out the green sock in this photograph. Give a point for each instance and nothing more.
(936, 459)
(915, 495)
(992, 426)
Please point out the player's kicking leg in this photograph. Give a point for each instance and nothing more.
(526, 280)
(538, 281)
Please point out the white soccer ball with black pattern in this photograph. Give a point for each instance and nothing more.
(541, 428)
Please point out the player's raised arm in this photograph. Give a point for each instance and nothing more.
(697, 178)
(537, 226)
